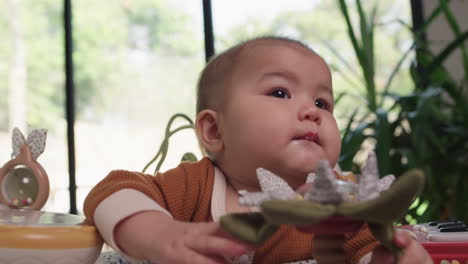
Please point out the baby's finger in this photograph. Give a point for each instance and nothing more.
(403, 238)
(415, 254)
(213, 240)
(413, 251)
(224, 234)
(212, 245)
(207, 228)
(216, 230)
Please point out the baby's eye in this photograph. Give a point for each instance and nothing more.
(280, 93)
(322, 104)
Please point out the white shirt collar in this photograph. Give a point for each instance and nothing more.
(218, 196)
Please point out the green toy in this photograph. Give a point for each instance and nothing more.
(372, 200)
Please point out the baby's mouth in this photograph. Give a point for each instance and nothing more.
(312, 137)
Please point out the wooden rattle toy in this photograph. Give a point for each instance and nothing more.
(23, 181)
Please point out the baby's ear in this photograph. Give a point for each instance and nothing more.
(207, 127)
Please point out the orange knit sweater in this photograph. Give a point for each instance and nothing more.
(185, 192)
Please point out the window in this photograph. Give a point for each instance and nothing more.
(31, 85)
(136, 64)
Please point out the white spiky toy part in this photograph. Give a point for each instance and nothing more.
(326, 187)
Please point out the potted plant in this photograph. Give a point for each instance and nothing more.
(426, 129)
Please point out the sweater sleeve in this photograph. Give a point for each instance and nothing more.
(180, 190)
(359, 245)
(115, 208)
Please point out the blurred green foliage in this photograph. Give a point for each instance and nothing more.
(104, 33)
(426, 128)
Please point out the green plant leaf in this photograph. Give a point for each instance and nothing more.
(383, 136)
(351, 144)
(189, 156)
(164, 147)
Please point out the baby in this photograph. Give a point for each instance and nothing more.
(267, 102)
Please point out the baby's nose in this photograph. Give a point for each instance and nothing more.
(311, 113)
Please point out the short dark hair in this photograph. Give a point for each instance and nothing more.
(217, 74)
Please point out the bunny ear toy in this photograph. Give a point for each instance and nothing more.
(23, 181)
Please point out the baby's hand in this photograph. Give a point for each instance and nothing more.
(194, 243)
(413, 252)
(170, 241)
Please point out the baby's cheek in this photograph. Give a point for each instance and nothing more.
(332, 143)
(333, 151)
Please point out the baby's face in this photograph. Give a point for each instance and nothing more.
(279, 113)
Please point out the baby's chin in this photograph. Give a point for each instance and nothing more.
(306, 166)
(295, 177)
(297, 173)
(308, 160)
